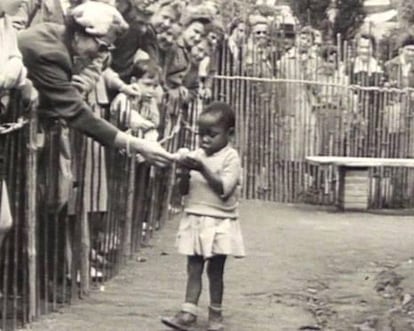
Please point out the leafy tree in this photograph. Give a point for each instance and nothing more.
(231, 9)
(389, 44)
(310, 12)
(350, 17)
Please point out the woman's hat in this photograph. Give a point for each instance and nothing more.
(100, 20)
(257, 19)
(198, 13)
(175, 7)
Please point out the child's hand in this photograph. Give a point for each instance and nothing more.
(192, 163)
(11, 74)
(146, 124)
(152, 151)
(82, 83)
(135, 120)
(19, 24)
(188, 160)
(181, 154)
(184, 94)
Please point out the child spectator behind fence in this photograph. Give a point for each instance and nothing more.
(210, 229)
(140, 113)
(12, 76)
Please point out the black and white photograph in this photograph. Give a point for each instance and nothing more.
(207, 165)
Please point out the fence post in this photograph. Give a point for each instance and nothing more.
(31, 215)
(127, 233)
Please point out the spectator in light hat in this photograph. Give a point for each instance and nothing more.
(259, 30)
(48, 50)
(258, 52)
(94, 20)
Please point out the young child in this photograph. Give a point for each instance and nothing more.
(141, 113)
(210, 229)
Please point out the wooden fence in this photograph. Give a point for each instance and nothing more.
(274, 138)
(290, 105)
(79, 213)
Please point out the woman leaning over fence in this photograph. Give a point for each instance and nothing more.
(12, 76)
(48, 51)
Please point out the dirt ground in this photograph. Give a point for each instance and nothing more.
(307, 269)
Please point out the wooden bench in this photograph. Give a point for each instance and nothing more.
(353, 192)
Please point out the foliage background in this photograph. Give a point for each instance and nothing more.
(350, 17)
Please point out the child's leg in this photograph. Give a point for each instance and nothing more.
(188, 314)
(195, 267)
(215, 272)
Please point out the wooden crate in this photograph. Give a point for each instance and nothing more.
(353, 188)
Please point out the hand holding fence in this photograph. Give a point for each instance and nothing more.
(12, 73)
(30, 96)
(131, 90)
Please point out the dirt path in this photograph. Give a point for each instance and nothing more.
(307, 269)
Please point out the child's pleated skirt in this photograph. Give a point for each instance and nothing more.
(208, 236)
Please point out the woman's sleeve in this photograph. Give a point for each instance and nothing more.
(58, 93)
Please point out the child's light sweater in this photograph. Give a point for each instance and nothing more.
(202, 200)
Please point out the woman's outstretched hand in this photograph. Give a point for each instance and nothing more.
(153, 152)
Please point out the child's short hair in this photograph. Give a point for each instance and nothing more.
(223, 110)
(146, 67)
